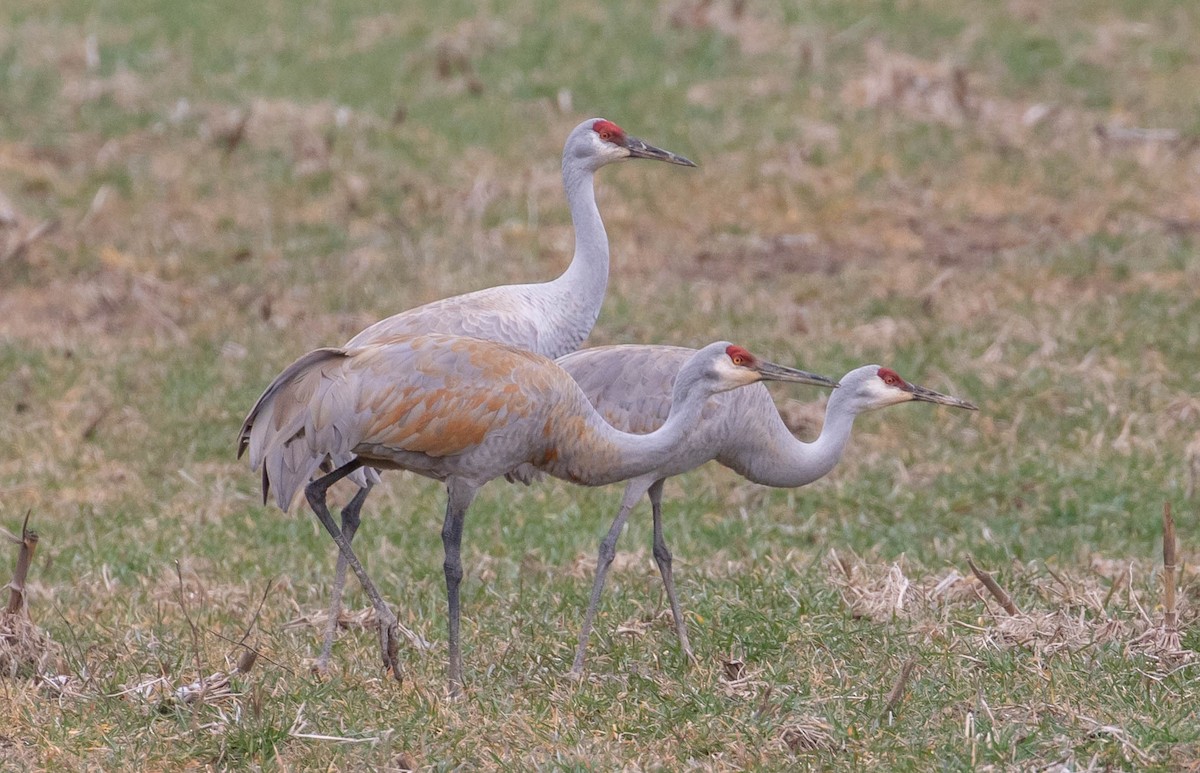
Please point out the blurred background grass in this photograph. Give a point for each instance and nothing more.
(1000, 200)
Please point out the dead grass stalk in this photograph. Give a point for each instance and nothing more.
(25, 649)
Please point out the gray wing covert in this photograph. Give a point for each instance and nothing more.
(494, 314)
(630, 386)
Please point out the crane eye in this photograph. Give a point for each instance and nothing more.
(739, 356)
(608, 131)
(890, 377)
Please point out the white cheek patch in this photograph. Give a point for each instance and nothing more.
(605, 149)
(727, 370)
(733, 376)
(882, 395)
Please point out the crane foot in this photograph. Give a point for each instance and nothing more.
(320, 668)
(389, 646)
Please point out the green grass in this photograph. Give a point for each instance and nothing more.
(854, 204)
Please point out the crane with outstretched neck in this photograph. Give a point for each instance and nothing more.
(630, 386)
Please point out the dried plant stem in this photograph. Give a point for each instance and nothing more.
(16, 588)
(1170, 613)
(1162, 640)
(898, 688)
(846, 570)
(192, 626)
(994, 588)
(1117, 582)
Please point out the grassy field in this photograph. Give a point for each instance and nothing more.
(999, 200)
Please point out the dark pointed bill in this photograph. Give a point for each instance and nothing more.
(642, 149)
(772, 372)
(929, 396)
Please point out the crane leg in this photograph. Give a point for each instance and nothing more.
(608, 551)
(458, 499)
(350, 522)
(662, 557)
(316, 492)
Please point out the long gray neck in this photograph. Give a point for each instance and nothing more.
(602, 454)
(585, 281)
(794, 463)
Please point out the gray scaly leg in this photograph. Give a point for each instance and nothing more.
(608, 551)
(459, 496)
(350, 522)
(662, 557)
(316, 493)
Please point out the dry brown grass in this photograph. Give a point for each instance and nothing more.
(1075, 613)
(26, 650)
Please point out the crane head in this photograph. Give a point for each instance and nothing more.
(738, 367)
(879, 387)
(606, 142)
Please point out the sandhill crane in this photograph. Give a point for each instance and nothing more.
(549, 318)
(463, 411)
(630, 388)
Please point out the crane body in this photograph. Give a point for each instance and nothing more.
(550, 318)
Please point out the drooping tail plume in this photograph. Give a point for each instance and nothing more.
(291, 432)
